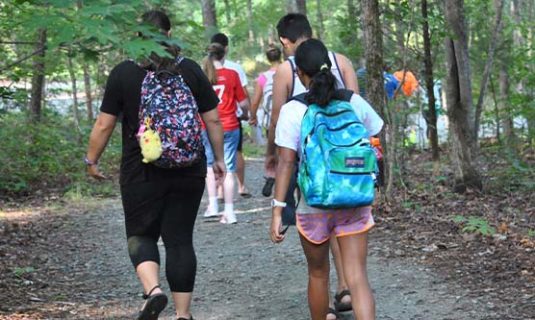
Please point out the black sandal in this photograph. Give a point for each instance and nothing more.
(190, 318)
(154, 305)
(342, 306)
(332, 311)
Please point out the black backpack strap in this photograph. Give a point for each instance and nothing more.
(300, 98)
(343, 95)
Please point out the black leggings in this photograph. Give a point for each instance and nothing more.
(167, 209)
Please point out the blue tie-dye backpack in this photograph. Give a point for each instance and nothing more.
(338, 165)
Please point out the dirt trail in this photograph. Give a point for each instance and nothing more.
(84, 272)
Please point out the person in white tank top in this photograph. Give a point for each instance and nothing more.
(293, 29)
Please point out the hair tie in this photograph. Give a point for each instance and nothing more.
(324, 67)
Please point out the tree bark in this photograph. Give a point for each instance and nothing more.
(296, 6)
(459, 97)
(250, 21)
(227, 12)
(38, 78)
(431, 117)
(75, 114)
(319, 14)
(488, 65)
(503, 106)
(371, 25)
(88, 93)
(301, 6)
(209, 17)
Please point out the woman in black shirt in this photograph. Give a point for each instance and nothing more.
(157, 202)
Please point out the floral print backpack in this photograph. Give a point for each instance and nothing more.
(169, 109)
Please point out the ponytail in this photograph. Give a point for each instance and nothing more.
(216, 52)
(322, 87)
(312, 58)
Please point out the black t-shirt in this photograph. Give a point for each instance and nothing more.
(123, 96)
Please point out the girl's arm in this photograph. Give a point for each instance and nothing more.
(257, 97)
(285, 169)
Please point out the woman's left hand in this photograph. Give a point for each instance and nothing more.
(276, 224)
(93, 171)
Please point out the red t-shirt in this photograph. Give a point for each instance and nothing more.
(230, 92)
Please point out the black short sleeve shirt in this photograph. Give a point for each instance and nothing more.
(122, 98)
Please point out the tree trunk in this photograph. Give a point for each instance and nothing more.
(88, 93)
(503, 106)
(373, 36)
(209, 18)
(76, 116)
(431, 117)
(301, 6)
(227, 12)
(250, 21)
(488, 65)
(296, 6)
(38, 78)
(319, 14)
(459, 97)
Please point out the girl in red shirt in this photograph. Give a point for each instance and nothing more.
(227, 85)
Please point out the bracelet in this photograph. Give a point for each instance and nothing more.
(89, 162)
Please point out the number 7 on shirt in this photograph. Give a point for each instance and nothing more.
(219, 90)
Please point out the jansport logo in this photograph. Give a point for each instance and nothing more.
(354, 162)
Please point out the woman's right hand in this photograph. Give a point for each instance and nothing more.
(94, 172)
(276, 225)
(220, 170)
(253, 120)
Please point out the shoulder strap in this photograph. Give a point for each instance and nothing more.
(333, 54)
(300, 98)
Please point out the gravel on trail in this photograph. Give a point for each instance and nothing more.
(82, 271)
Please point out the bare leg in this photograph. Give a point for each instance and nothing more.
(318, 278)
(182, 304)
(148, 273)
(228, 191)
(337, 257)
(240, 172)
(211, 187)
(354, 251)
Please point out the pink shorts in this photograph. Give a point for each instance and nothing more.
(318, 227)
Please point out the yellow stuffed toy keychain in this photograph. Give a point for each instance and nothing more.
(150, 143)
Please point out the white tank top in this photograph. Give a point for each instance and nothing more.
(297, 85)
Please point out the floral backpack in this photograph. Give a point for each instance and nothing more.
(169, 125)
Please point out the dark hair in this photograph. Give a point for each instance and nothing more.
(312, 58)
(220, 38)
(215, 52)
(161, 21)
(273, 53)
(294, 26)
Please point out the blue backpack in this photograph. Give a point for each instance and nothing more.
(338, 164)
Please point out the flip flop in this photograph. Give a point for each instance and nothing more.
(342, 306)
(246, 195)
(154, 305)
(332, 311)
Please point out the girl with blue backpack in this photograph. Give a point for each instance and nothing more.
(327, 131)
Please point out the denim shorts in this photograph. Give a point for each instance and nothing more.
(230, 146)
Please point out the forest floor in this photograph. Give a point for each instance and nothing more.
(68, 260)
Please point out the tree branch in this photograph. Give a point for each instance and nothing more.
(38, 51)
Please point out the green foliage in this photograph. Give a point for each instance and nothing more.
(21, 272)
(47, 155)
(475, 224)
